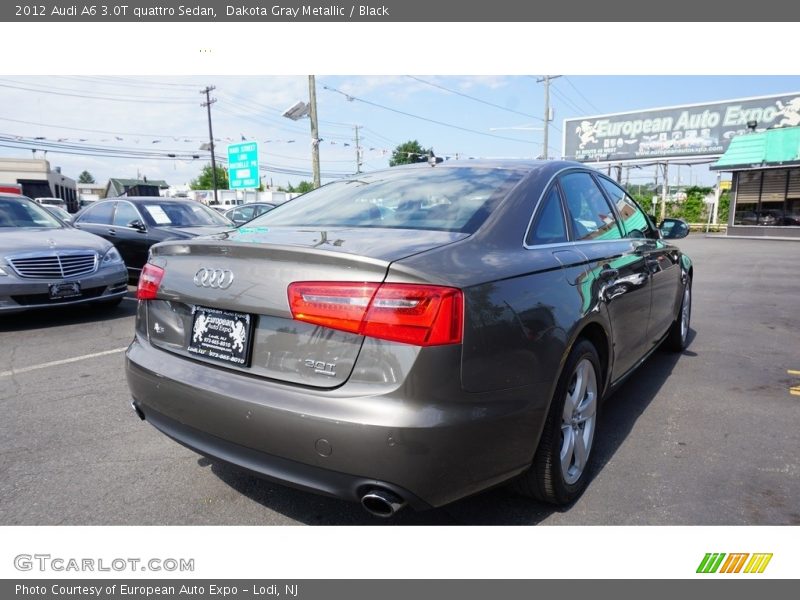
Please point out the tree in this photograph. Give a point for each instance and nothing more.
(205, 181)
(85, 177)
(408, 152)
(300, 188)
(724, 206)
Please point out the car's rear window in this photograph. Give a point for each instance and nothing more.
(438, 198)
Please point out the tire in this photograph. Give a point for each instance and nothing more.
(678, 336)
(551, 479)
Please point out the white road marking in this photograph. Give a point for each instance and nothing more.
(60, 362)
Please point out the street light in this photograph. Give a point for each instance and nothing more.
(302, 109)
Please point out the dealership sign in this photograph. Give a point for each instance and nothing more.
(675, 132)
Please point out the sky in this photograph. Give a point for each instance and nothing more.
(128, 125)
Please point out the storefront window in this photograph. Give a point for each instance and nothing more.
(769, 198)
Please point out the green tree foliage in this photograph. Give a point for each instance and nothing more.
(724, 206)
(408, 152)
(85, 177)
(205, 181)
(300, 188)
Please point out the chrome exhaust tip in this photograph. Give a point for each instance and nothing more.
(382, 503)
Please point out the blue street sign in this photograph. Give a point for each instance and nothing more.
(243, 165)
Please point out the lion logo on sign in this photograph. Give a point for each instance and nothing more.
(237, 335)
(587, 132)
(790, 112)
(200, 327)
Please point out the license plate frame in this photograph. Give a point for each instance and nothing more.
(221, 335)
(64, 290)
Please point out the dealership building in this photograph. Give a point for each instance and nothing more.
(755, 139)
(765, 197)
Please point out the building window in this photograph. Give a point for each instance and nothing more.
(770, 197)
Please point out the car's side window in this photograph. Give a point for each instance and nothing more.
(549, 226)
(125, 214)
(591, 218)
(98, 214)
(634, 221)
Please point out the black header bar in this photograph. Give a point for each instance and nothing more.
(461, 11)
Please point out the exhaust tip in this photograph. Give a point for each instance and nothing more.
(382, 503)
(137, 410)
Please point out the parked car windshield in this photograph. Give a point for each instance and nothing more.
(180, 214)
(445, 198)
(19, 212)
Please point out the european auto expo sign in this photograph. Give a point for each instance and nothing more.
(675, 132)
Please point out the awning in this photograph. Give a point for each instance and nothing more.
(771, 148)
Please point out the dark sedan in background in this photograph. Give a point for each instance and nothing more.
(45, 263)
(413, 335)
(134, 224)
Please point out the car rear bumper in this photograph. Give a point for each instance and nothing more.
(429, 455)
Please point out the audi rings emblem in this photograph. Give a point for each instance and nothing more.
(213, 278)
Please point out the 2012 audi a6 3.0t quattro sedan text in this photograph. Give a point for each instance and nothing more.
(45, 263)
(410, 336)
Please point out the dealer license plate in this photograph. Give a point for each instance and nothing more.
(222, 335)
(65, 290)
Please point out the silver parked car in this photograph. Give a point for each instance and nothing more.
(411, 336)
(45, 263)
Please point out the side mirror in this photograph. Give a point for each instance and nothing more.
(674, 229)
(137, 225)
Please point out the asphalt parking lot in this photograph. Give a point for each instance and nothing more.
(708, 437)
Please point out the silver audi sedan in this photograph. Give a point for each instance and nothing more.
(413, 335)
(45, 263)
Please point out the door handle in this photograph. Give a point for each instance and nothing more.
(112, 232)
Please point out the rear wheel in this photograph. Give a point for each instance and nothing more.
(678, 336)
(558, 474)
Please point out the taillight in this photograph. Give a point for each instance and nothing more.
(423, 315)
(149, 280)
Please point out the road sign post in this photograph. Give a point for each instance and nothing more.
(243, 166)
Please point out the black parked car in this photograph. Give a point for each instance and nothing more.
(135, 224)
(411, 336)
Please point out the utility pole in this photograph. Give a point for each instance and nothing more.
(209, 101)
(547, 118)
(664, 192)
(358, 150)
(312, 101)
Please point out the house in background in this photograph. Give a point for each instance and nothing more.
(135, 187)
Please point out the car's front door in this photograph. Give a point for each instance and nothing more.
(620, 276)
(661, 259)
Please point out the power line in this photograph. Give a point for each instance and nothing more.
(487, 103)
(121, 81)
(443, 124)
(589, 102)
(108, 98)
(197, 137)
